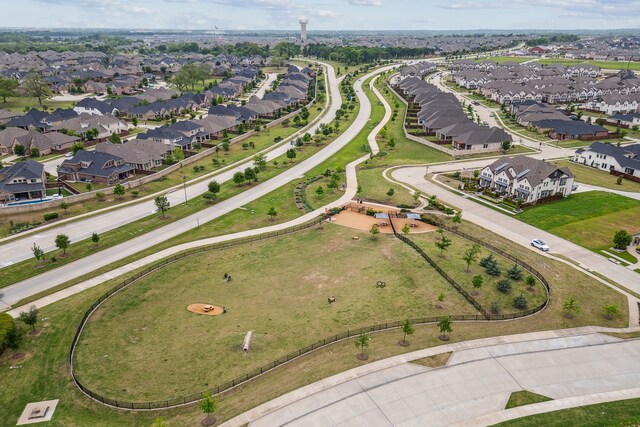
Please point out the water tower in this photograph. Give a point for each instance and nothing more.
(303, 29)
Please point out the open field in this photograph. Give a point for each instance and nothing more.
(21, 103)
(152, 313)
(589, 219)
(502, 59)
(592, 176)
(619, 413)
(45, 375)
(610, 65)
(572, 143)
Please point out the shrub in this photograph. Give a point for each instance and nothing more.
(493, 269)
(520, 302)
(484, 262)
(494, 307)
(504, 286)
(51, 216)
(515, 273)
(6, 324)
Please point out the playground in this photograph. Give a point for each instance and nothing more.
(362, 216)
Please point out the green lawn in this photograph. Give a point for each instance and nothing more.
(589, 219)
(524, 397)
(502, 59)
(26, 102)
(570, 143)
(611, 65)
(451, 262)
(45, 374)
(619, 413)
(593, 176)
(151, 314)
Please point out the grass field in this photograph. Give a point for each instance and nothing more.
(593, 176)
(451, 262)
(201, 351)
(619, 413)
(570, 143)
(589, 219)
(502, 59)
(45, 374)
(21, 103)
(611, 65)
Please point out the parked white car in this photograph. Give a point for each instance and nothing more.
(537, 243)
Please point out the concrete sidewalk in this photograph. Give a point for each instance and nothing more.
(573, 367)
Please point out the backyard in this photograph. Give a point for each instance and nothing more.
(593, 176)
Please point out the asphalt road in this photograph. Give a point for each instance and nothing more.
(34, 285)
(19, 249)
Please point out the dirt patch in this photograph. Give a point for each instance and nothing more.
(35, 333)
(434, 361)
(199, 309)
(364, 222)
(20, 357)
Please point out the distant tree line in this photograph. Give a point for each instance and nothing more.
(556, 38)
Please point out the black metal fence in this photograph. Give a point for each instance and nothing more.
(178, 401)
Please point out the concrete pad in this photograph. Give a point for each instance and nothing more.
(37, 412)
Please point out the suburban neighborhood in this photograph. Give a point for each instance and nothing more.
(271, 213)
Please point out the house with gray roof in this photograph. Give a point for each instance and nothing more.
(94, 166)
(22, 181)
(610, 157)
(526, 178)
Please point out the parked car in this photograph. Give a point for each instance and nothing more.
(69, 154)
(491, 115)
(537, 243)
(475, 103)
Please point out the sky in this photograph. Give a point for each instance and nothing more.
(322, 14)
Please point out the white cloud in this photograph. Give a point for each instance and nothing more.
(365, 2)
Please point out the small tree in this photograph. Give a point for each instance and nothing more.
(407, 329)
(238, 178)
(260, 161)
(95, 238)
(471, 255)
(622, 239)
(38, 253)
(515, 273)
(30, 317)
(114, 138)
(406, 229)
(119, 190)
(272, 213)
(64, 206)
(504, 286)
(208, 405)
(457, 218)
(92, 134)
(476, 281)
(391, 192)
(213, 188)
(19, 150)
(374, 230)
(62, 242)
(570, 307)
(100, 196)
(506, 145)
(77, 146)
(445, 328)
(619, 180)
(530, 281)
(362, 341)
(609, 311)
(443, 243)
(250, 175)
(291, 154)
(162, 204)
(520, 302)
(319, 191)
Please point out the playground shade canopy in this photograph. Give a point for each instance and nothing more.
(413, 216)
(382, 216)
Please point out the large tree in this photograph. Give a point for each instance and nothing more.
(622, 239)
(34, 85)
(8, 88)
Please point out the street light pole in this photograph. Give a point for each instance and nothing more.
(184, 186)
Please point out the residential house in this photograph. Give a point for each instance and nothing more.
(22, 181)
(94, 166)
(141, 154)
(45, 143)
(609, 157)
(526, 178)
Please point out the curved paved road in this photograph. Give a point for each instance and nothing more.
(573, 367)
(19, 249)
(90, 263)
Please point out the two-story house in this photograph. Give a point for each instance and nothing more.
(526, 178)
(22, 181)
(610, 157)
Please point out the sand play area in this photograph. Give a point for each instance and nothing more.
(212, 310)
(362, 221)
